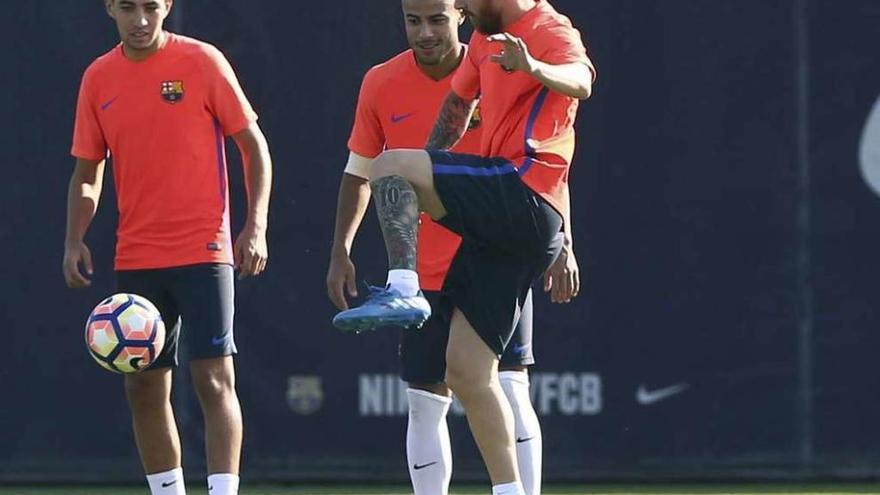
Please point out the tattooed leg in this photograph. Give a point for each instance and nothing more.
(398, 208)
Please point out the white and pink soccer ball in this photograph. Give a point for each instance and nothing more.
(125, 333)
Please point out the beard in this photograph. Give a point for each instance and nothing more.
(487, 22)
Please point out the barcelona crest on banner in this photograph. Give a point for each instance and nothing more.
(305, 394)
(172, 91)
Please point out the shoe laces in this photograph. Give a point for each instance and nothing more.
(374, 292)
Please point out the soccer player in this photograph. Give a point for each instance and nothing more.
(160, 105)
(397, 108)
(529, 67)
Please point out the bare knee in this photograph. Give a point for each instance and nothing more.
(457, 381)
(148, 389)
(466, 380)
(415, 167)
(213, 379)
(391, 162)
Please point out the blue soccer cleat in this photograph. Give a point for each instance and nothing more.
(385, 307)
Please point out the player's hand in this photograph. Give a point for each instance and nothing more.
(76, 252)
(563, 280)
(341, 278)
(514, 53)
(251, 252)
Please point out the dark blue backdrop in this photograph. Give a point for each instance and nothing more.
(726, 240)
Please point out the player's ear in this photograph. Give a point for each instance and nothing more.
(168, 5)
(108, 5)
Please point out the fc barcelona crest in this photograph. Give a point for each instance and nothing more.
(172, 91)
(305, 394)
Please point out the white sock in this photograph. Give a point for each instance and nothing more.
(223, 484)
(527, 429)
(514, 488)
(405, 281)
(428, 451)
(167, 483)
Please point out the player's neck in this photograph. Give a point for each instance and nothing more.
(449, 63)
(517, 9)
(139, 55)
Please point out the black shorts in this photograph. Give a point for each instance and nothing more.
(509, 238)
(197, 297)
(423, 351)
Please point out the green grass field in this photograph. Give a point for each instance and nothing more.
(745, 489)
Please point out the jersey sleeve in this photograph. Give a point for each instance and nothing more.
(466, 82)
(367, 137)
(88, 138)
(226, 100)
(564, 46)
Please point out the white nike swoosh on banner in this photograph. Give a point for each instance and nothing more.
(647, 397)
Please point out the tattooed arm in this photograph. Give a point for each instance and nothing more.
(455, 114)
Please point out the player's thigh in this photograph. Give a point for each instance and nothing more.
(469, 360)
(205, 296)
(423, 351)
(519, 352)
(154, 286)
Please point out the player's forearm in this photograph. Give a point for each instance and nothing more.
(259, 186)
(455, 114)
(257, 177)
(83, 196)
(568, 237)
(574, 80)
(351, 206)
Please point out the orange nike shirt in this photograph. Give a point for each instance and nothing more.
(523, 120)
(397, 109)
(163, 121)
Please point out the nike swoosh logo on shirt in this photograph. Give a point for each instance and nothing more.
(423, 466)
(219, 340)
(396, 119)
(105, 106)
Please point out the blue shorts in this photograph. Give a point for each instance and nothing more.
(198, 298)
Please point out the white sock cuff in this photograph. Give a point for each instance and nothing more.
(223, 484)
(514, 377)
(429, 395)
(404, 281)
(167, 482)
(176, 473)
(223, 477)
(512, 488)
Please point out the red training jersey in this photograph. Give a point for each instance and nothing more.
(163, 121)
(397, 109)
(523, 120)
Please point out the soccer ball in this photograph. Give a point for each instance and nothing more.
(125, 333)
